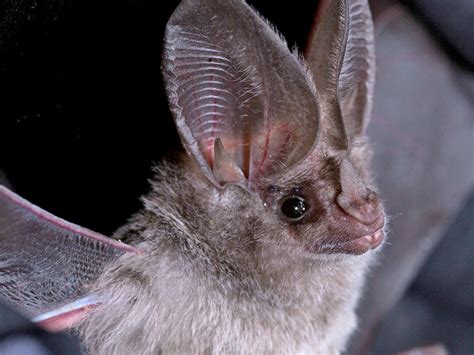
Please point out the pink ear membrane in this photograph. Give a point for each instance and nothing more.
(273, 148)
(262, 153)
(256, 99)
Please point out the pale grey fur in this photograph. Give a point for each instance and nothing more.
(216, 275)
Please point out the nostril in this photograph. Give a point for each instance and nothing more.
(372, 196)
(365, 209)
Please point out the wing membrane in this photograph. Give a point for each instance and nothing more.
(47, 262)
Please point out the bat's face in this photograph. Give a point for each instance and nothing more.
(320, 213)
(321, 207)
(289, 132)
(278, 165)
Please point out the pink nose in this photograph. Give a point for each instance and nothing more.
(366, 209)
(356, 199)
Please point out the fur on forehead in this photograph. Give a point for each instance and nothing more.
(312, 167)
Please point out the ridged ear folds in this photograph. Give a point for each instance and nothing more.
(244, 106)
(342, 59)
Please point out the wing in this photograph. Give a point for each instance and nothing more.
(46, 263)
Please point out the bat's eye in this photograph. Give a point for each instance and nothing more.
(293, 207)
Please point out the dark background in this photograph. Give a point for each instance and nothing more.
(83, 113)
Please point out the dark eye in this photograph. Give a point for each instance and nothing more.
(294, 207)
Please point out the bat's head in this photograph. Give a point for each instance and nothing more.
(280, 138)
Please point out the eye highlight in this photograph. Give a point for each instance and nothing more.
(293, 208)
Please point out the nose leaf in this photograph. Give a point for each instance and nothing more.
(355, 198)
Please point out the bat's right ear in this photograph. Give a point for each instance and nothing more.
(244, 106)
(342, 60)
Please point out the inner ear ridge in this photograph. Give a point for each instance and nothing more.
(268, 86)
(213, 97)
(203, 111)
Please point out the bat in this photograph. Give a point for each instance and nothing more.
(259, 239)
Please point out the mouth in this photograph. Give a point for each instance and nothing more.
(356, 246)
(363, 244)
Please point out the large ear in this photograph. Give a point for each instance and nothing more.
(341, 57)
(231, 79)
(46, 262)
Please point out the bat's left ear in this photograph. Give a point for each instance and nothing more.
(244, 106)
(342, 60)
